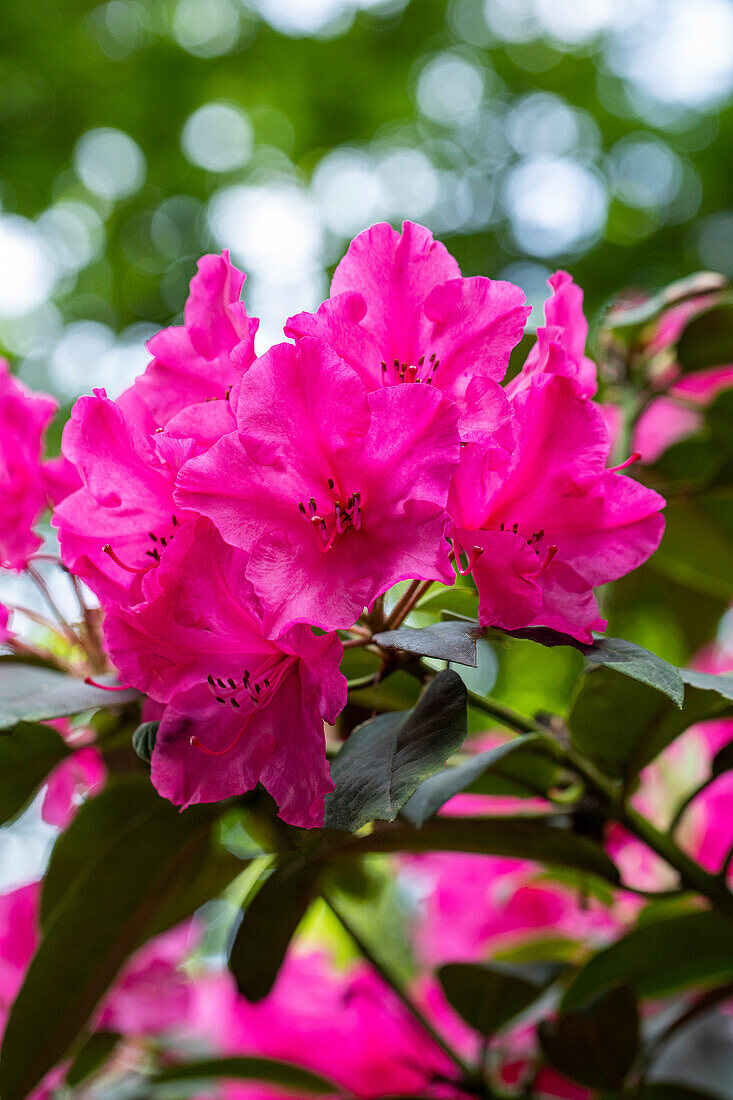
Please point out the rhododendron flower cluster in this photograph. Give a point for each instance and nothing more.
(231, 505)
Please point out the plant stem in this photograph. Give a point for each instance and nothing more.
(508, 717)
(404, 605)
(691, 874)
(389, 979)
(43, 588)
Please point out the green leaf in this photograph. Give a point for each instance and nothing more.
(384, 761)
(143, 740)
(447, 641)
(489, 996)
(638, 663)
(27, 755)
(622, 724)
(708, 681)
(439, 788)
(33, 694)
(628, 322)
(140, 858)
(659, 957)
(707, 339)
(247, 1069)
(93, 832)
(523, 837)
(269, 924)
(597, 1045)
(91, 1056)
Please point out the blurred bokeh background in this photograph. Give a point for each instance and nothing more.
(528, 134)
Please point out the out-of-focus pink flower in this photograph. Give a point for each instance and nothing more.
(6, 633)
(518, 1054)
(400, 312)
(240, 708)
(202, 359)
(347, 1025)
(567, 329)
(25, 487)
(679, 413)
(126, 501)
(547, 523)
(81, 775)
(338, 493)
(153, 993)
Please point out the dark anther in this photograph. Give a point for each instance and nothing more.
(232, 683)
(220, 682)
(234, 703)
(210, 678)
(152, 536)
(330, 484)
(302, 507)
(218, 699)
(174, 521)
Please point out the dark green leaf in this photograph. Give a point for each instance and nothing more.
(621, 724)
(448, 641)
(707, 340)
(597, 1045)
(707, 681)
(143, 740)
(659, 957)
(248, 1069)
(139, 859)
(33, 694)
(92, 1055)
(489, 996)
(27, 755)
(385, 760)
(638, 663)
(521, 837)
(435, 791)
(268, 925)
(93, 832)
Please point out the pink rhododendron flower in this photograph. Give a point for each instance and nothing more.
(117, 525)
(26, 487)
(240, 708)
(202, 359)
(546, 524)
(81, 775)
(347, 1025)
(567, 329)
(338, 493)
(400, 312)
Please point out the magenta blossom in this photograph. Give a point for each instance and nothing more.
(400, 312)
(81, 775)
(119, 522)
(544, 525)
(347, 1025)
(26, 483)
(337, 493)
(566, 329)
(6, 634)
(240, 708)
(202, 359)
